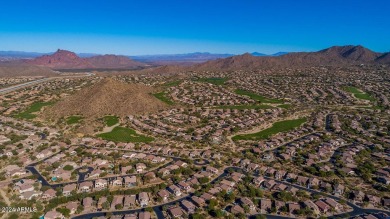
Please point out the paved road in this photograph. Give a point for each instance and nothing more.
(30, 83)
(357, 210)
(158, 208)
(44, 182)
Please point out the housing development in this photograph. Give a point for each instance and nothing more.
(194, 109)
(296, 143)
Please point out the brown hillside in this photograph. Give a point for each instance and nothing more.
(20, 69)
(384, 59)
(113, 61)
(108, 97)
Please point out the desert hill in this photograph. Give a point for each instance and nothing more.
(113, 61)
(63, 59)
(21, 69)
(108, 96)
(384, 58)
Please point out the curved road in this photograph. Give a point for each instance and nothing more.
(158, 208)
(19, 86)
(30, 83)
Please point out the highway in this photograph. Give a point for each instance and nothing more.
(31, 83)
(19, 86)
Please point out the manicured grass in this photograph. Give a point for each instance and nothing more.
(359, 94)
(122, 134)
(73, 119)
(215, 81)
(111, 120)
(285, 106)
(35, 107)
(257, 97)
(282, 126)
(240, 107)
(172, 83)
(353, 90)
(163, 97)
(364, 96)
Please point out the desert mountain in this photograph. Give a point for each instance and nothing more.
(113, 61)
(384, 58)
(353, 53)
(63, 59)
(336, 56)
(106, 97)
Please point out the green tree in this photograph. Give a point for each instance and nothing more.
(68, 168)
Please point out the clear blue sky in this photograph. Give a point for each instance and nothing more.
(180, 26)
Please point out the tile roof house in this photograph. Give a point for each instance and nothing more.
(164, 194)
(174, 190)
(198, 201)
(128, 201)
(258, 181)
(322, 206)
(143, 199)
(85, 186)
(49, 194)
(66, 191)
(310, 204)
(247, 202)
(87, 203)
(188, 206)
(236, 209)
(293, 207)
(338, 189)
(144, 215)
(101, 184)
(130, 181)
(176, 212)
(54, 215)
(72, 206)
(265, 204)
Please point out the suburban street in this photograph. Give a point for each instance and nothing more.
(158, 208)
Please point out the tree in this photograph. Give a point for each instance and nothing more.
(260, 216)
(13, 216)
(196, 216)
(212, 204)
(68, 168)
(118, 206)
(106, 205)
(80, 209)
(216, 213)
(64, 211)
(203, 180)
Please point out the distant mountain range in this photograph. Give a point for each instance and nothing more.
(187, 57)
(333, 56)
(262, 54)
(196, 57)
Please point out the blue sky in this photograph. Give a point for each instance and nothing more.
(177, 26)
